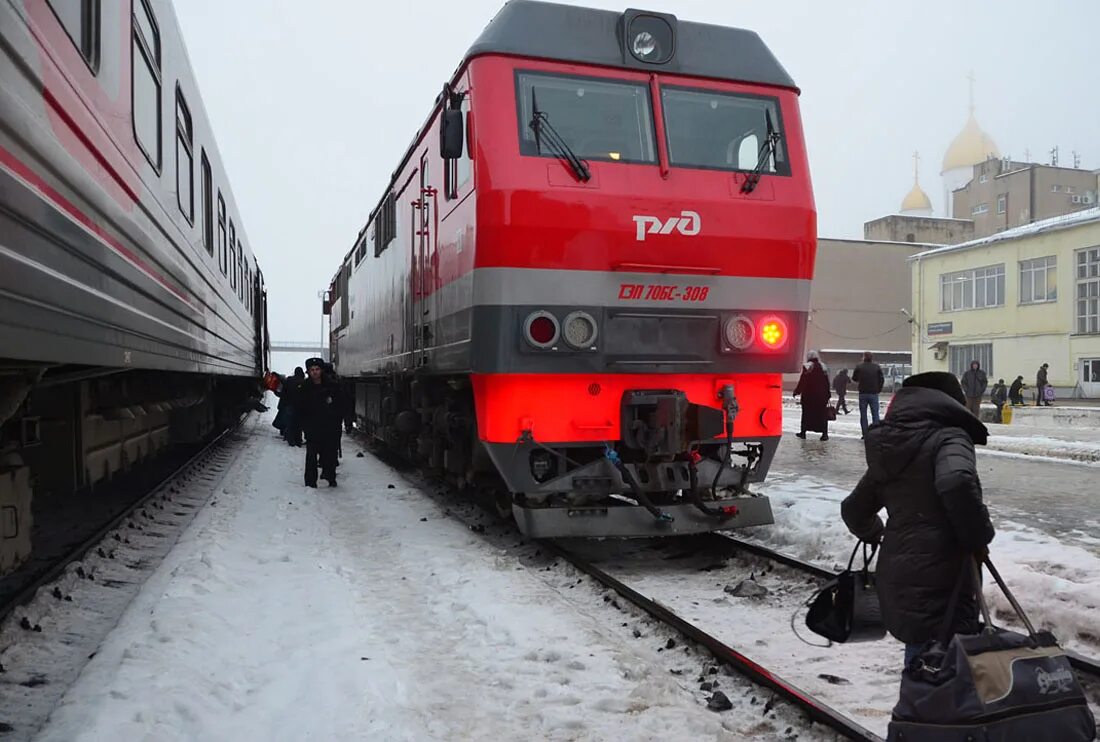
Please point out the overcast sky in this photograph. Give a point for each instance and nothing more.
(313, 102)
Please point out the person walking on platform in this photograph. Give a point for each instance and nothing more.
(320, 409)
(840, 386)
(974, 382)
(287, 402)
(814, 388)
(998, 396)
(1041, 386)
(1016, 393)
(868, 375)
(922, 468)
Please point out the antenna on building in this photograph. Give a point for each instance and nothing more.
(1076, 160)
(1054, 156)
(1027, 156)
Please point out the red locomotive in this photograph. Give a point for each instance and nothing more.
(588, 272)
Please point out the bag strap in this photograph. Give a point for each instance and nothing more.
(953, 603)
(866, 557)
(1011, 599)
(976, 576)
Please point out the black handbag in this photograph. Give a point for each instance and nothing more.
(846, 609)
(995, 686)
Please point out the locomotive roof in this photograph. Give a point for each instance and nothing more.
(532, 28)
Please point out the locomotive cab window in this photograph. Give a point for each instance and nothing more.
(597, 119)
(80, 19)
(723, 131)
(457, 172)
(145, 82)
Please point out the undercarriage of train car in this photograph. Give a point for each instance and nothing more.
(76, 439)
(677, 467)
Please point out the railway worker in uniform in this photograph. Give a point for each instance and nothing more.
(974, 382)
(921, 467)
(320, 410)
(840, 386)
(1016, 393)
(813, 386)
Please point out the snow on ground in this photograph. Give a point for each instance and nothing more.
(1057, 583)
(1076, 445)
(366, 613)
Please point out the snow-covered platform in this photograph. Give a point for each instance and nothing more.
(366, 612)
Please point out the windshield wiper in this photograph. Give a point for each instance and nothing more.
(768, 151)
(540, 124)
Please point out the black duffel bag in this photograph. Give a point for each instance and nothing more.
(994, 686)
(846, 610)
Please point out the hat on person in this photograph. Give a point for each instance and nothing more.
(939, 380)
(311, 362)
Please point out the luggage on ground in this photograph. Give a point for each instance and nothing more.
(847, 610)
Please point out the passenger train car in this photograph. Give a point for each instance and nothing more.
(588, 272)
(132, 311)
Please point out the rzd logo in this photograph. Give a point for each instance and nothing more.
(688, 224)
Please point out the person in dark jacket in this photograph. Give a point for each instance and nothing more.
(287, 402)
(868, 375)
(974, 382)
(1015, 392)
(840, 386)
(320, 408)
(921, 467)
(998, 395)
(813, 386)
(1041, 386)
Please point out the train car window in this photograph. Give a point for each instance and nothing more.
(185, 159)
(709, 129)
(221, 232)
(385, 224)
(232, 256)
(599, 119)
(80, 19)
(360, 251)
(240, 271)
(207, 205)
(457, 172)
(145, 82)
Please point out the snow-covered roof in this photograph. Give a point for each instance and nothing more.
(930, 218)
(1065, 221)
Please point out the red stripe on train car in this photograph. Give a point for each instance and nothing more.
(24, 172)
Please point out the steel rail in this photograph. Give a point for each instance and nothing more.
(25, 595)
(814, 708)
(1078, 661)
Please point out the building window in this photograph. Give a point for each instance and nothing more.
(961, 357)
(1070, 189)
(221, 231)
(1088, 290)
(979, 209)
(1002, 203)
(80, 18)
(1039, 280)
(207, 204)
(232, 256)
(185, 159)
(984, 178)
(145, 82)
(973, 289)
(1055, 188)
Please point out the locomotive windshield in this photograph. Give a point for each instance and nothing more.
(597, 119)
(726, 131)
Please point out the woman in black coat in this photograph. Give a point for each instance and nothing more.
(813, 386)
(921, 467)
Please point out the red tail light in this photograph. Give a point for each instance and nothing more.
(773, 333)
(541, 329)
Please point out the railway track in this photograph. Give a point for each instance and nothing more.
(1080, 662)
(57, 567)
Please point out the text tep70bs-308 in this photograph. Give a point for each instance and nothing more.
(588, 272)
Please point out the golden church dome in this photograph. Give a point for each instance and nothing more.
(916, 200)
(970, 147)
